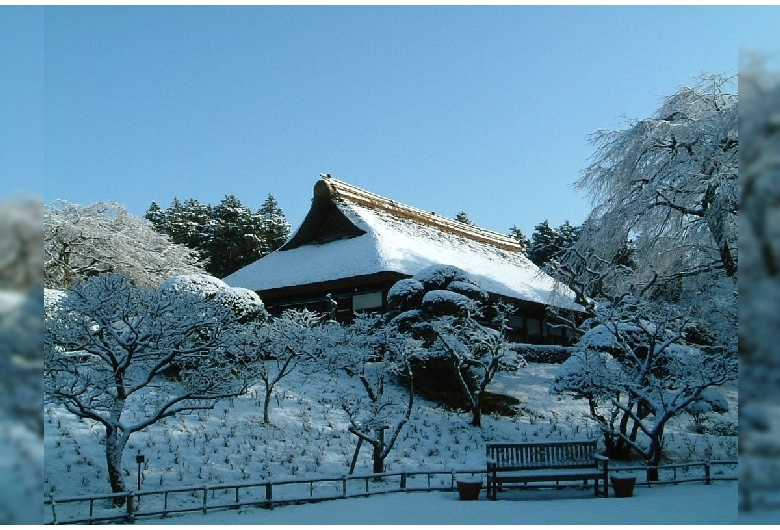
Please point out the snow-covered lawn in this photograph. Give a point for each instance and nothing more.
(309, 438)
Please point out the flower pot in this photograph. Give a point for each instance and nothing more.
(623, 484)
(469, 489)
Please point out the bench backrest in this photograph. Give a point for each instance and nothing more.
(543, 455)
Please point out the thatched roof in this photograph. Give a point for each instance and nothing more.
(350, 232)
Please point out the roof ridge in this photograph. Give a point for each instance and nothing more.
(344, 191)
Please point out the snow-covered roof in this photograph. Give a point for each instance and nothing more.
(371, 234)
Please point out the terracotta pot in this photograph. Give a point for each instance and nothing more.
(623, 485)
(469, 490)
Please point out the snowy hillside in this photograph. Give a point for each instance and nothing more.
(309, 437)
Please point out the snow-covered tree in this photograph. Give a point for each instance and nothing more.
(276, 228)
(126, 356)
(463, 217)
(21, 244)
(443, 307)
(662, 234)
(547, 243)
(83, 241)
(272, 349)
(516, 233)
(759, 283)
(667, 184)
(638, 366)
(228, 236)
(21, 313)
(377, 355)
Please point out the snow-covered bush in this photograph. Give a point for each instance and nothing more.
(542, 353)
(440, 276)
(405, 294)
(439, 303)
(462, 354)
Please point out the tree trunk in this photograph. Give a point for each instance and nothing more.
(716, 225)
(476, 410)
(115, 446)
(266, 404)
(378, 458)
(656, 446)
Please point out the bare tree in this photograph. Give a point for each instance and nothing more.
(272, 350)
(127, 357)
(84, 241)
(377, 356)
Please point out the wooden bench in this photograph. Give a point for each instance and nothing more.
(545, 462)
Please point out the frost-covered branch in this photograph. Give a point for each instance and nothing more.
(110, 346)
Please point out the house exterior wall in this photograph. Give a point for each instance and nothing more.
(528, 324)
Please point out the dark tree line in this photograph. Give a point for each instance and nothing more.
(227, 236)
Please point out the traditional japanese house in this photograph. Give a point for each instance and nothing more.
(354, 245)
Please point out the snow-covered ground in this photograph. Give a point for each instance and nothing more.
(309, 438)
(681, 504)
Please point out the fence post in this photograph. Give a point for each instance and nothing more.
(129, 505)
(205, 498)
(403, 480)
(344, 486)
(707, 479)
(53, 511)
(269, 495)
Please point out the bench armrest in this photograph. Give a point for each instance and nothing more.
(602, 458)
(491, 460)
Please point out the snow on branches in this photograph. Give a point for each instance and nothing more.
(639, 367)
(111, 347)
(84, 241)
(666, 187)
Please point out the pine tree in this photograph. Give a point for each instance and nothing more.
(517, 234)
(228, 236)
(463, 217)
(276, 229)
(543, 244)
(547, 242)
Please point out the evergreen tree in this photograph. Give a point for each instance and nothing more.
(463, 217)
(228, 236)
(276, 229)
(547, 242)
(232, 238)
(544, 244)
(517, 234)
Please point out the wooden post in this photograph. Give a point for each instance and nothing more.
(269, 495)
(130, 510)
(355, 456)
(707, 478)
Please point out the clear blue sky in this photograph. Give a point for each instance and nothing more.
(480, 109)
(21, 101)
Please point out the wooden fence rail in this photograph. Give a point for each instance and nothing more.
(126, 507)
